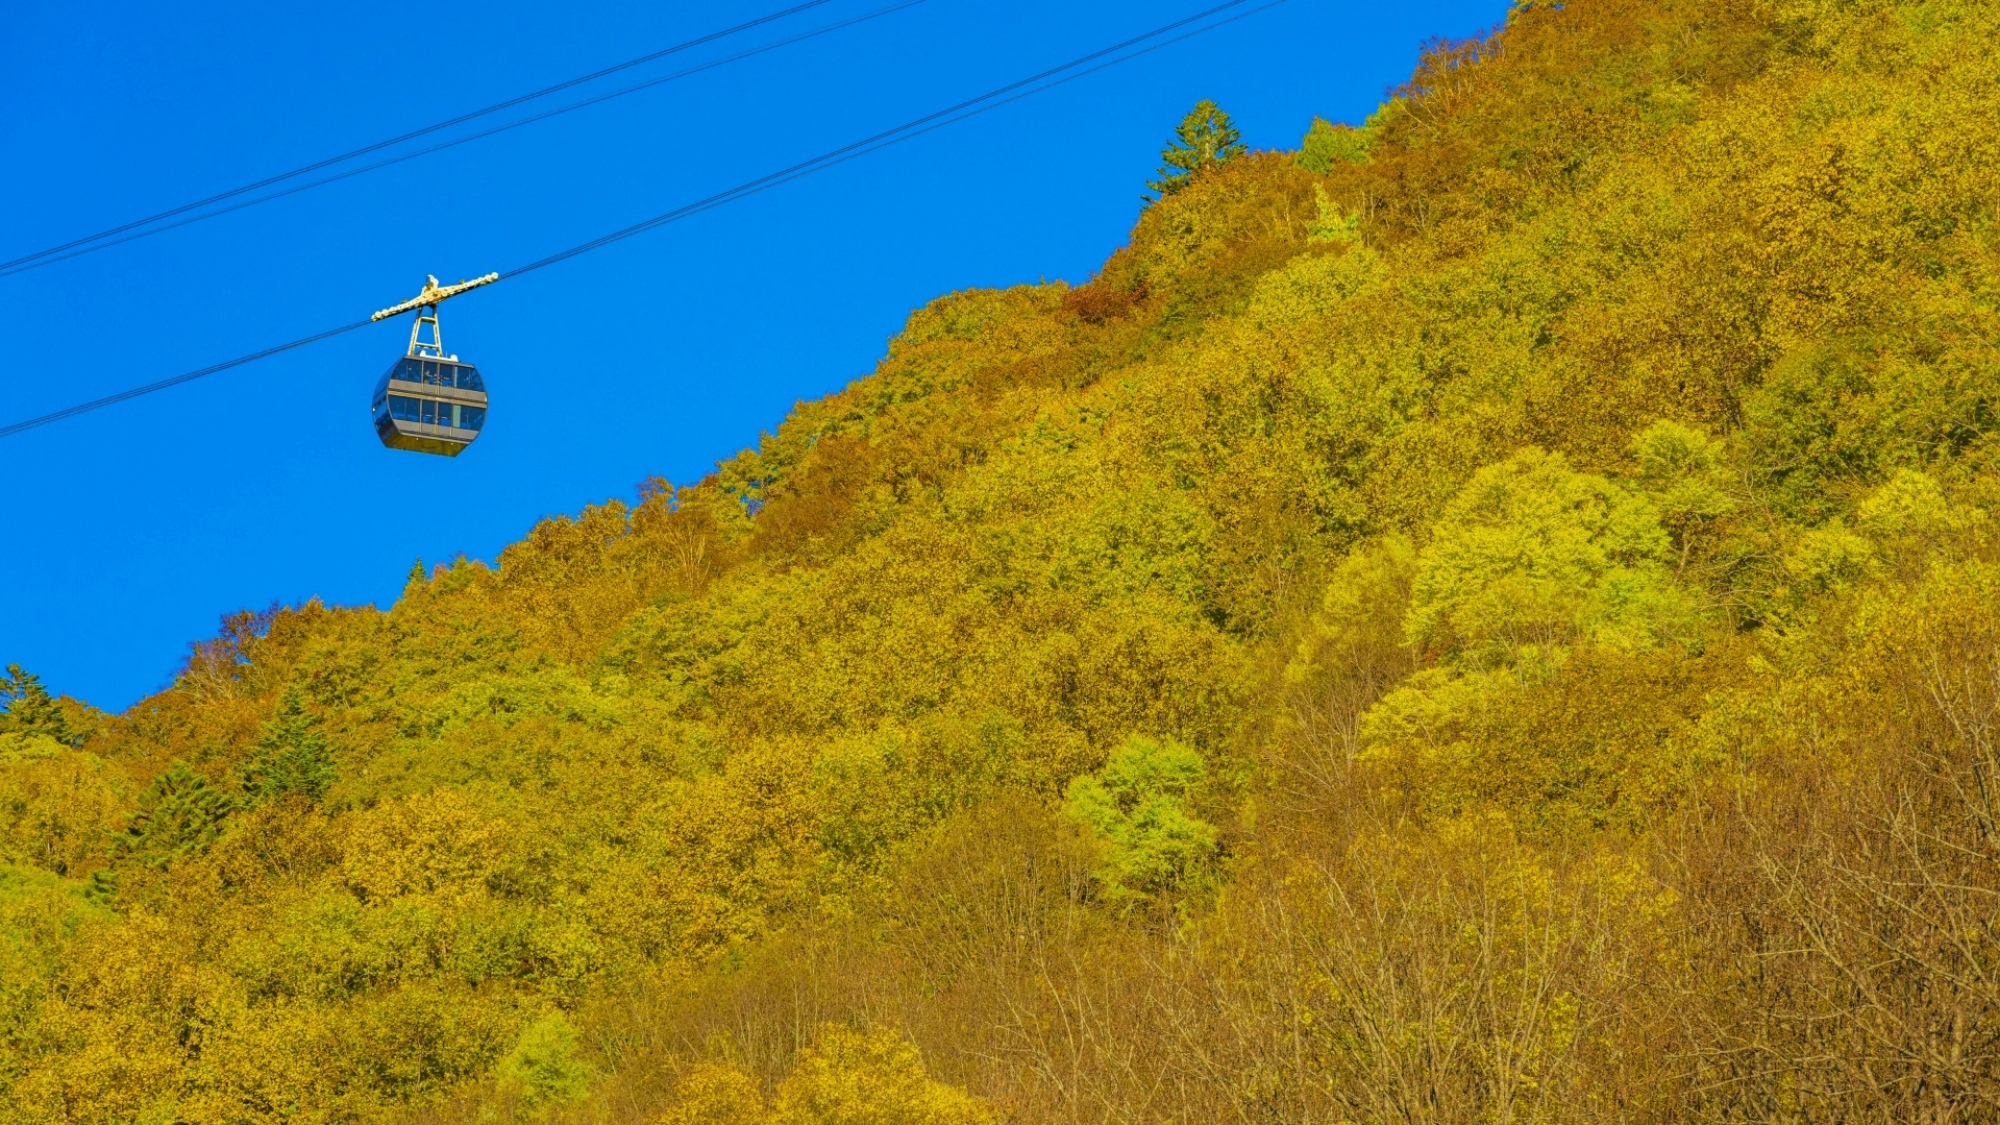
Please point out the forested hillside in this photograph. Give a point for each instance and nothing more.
(1492, 617)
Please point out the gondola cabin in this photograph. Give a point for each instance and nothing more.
(430, 402)
(430, 405)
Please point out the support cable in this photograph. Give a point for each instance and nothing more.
(7, 270)
(965, 110)
(413, 134)
(906, 131)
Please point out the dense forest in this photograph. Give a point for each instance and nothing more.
(1491, 617)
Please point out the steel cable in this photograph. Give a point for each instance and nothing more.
(9, 271)
(457, 141)
(413, 134)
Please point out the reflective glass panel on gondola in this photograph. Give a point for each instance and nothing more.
(430, 406)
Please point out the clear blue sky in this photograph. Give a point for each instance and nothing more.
(127, 533)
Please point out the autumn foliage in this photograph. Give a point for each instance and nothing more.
(1492, 618)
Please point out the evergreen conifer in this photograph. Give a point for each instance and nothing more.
(1206, 138)
(29, 709)
(179, 814)
(292, 756)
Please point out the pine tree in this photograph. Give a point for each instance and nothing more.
(417, 580)
(30, 710)
(179, 814)
(1205, 139)
(292, 756)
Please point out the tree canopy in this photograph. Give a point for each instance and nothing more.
(1499, 621)
(1205, 139)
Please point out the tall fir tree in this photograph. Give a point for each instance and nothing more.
(29, 710)
(292, 756)
(179, 814)
(1205, 139)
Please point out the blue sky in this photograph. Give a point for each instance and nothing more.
(127, 533)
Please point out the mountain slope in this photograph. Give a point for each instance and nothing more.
(1491, 618)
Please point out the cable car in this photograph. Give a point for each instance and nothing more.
(430, 402)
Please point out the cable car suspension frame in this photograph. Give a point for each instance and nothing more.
(426, 304)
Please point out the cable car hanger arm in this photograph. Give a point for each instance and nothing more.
(433, 293)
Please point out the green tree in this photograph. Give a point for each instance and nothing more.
(1533, 554)
(1137, 807)
(543, 1068)
(292, 756)
(179, 814)
(1327, 145)
(29, 710)
(1332, 223)
(1681, 469)
(1205, 139)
